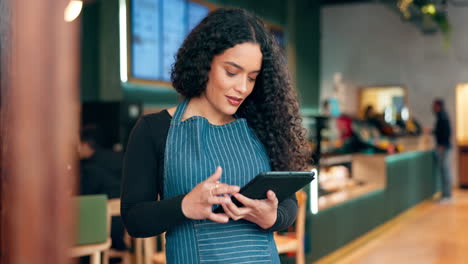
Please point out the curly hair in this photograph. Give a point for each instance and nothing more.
(272, 109)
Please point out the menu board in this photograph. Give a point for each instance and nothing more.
(158, 28)
(145, 31)
(196, 12)
(174, 30)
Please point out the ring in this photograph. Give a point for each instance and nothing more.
(215, 187)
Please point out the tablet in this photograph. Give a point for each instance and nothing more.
(282, 183)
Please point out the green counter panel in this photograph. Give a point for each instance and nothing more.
(411, 178)
(334, 227)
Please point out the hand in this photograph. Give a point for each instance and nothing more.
(261, 212)
(197, 204)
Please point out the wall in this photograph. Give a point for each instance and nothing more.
(109, 59)
(90, 73)
(370, 45)
(307, 53)
(100, 80)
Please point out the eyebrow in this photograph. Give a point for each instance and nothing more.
(238, 66)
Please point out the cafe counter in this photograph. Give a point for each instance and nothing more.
(382, 187)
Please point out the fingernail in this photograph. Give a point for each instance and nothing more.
(227, 200)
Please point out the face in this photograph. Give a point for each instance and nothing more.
(85, 150)
(232, 78)
(436, 108)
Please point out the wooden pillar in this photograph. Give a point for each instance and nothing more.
(4, 46)
(39, 121)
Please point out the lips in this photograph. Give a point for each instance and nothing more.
(234, 101)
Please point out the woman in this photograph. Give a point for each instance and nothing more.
(239, 117)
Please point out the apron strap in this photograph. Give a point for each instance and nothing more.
(179, 112)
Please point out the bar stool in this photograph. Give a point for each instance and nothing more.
(294, 241)
(114, 210)
(93, 235)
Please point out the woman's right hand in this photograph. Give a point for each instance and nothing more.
(197, 204)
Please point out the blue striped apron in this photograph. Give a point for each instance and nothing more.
(194, 149)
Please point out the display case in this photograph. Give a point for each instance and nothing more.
(340, 174)
(349, 155)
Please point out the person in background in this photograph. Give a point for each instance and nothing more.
(100, 173)
(378, 121)
(352, 141)
(325, 111)
(442, 133)
(371, 117)
(100, 169)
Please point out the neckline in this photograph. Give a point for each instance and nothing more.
(177, 118)
(204, 119)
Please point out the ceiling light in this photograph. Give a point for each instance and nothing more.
(73, 10)
(429, 9)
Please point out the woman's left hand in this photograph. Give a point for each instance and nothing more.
(261, 212)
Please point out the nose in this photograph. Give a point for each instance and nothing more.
(242, 85)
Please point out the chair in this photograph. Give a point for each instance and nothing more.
(159, 257)
(294, 241)
(114, 210)
(138, 244)
(93, 234)
(145, 250)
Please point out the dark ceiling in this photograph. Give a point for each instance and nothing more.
(340, 2)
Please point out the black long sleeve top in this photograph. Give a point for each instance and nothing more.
(101, 173)
(442, 130)
(142, 183)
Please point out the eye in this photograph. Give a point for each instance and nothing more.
(230, 73)
(252, 79)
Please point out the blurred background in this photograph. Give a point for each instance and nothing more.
(76, 75)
